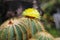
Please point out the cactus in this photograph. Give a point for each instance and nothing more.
(19, 29)
(42, 36)
(23, 28)
(12, 30)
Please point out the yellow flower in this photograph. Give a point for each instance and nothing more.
(31, 12)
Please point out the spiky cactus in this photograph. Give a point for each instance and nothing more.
(21, 28)
(42, 36)
(12, 30)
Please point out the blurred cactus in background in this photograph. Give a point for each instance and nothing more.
(42, 36)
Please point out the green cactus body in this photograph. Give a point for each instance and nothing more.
(12, 30)
(42, 36)
(33, 25)
(20, 29)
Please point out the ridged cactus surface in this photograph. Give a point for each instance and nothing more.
(42, 36)
(20, 29)
(12, 30)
